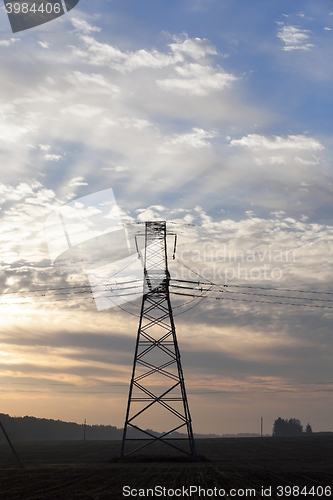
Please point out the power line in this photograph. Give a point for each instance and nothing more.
(188, 309)
(244, 300)
(256, 294)
(198, 283)
(83, 289)
(185, 295)
(69, 287)
(180, 294)
(43, 301)
(282, 296)
(87, 289)
(257, 301)
(207, 282)
(282, 289)
(273, 391)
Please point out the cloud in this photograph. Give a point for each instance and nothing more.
(197, 48)
(260, 142)
(278, 213)
(93, 82)
(52, 157)
(22, 221)
(189, 78)
(151, 122)
(294, 38)
(127, 122)
(103, 54)
(82, 101)
(40, 351)
(198, 138)
(84, 26)
(279, 160)
(116, 169)
(82, 110)
(195, 79)
(77, 181)
(10, 193)
(12, 125)
(10, 132)
(302, 161)
(7, 43)
(45, 45)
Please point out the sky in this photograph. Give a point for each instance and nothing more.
(216, 116)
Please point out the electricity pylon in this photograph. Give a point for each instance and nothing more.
(157, 384)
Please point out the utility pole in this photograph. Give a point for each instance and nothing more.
(11, 446)
(157, 386)
(84, 430)
(261, 425)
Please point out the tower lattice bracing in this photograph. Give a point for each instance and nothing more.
(157, 395)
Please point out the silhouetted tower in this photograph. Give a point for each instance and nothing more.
(157, 387)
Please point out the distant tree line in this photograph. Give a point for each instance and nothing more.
(291, 427)
(42, 429)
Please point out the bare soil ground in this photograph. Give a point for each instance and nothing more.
(88, 470)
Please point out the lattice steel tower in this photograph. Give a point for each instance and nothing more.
(157, 385)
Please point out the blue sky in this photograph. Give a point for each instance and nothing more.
(212, 113)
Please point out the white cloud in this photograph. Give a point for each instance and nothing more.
(10, 132)
(198, 138)
(302, 161)
(278, 213)
(6, 43)
(83, 26)
(13, 125)
(139, 121)
(121, 169)
(294, 38)
(45, 45)
(196, 48)
(279, 160)
(53, 157)
(22, 222)
(77, 181)
(82, 110)
(100, 54)
(93, 82)
(150, 213)
(135, 130)
(196, 79)
(127, 122)
(116, 169)
(10, 193)
(259, 142)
